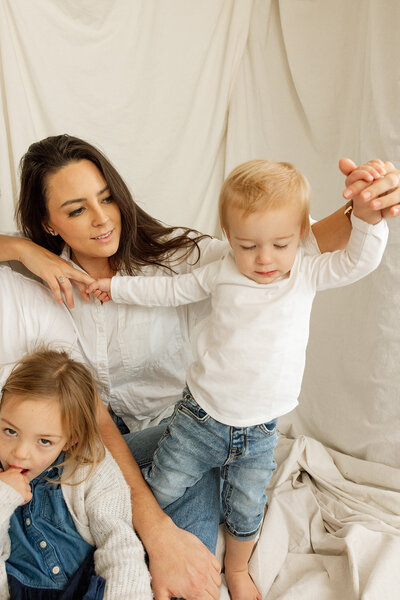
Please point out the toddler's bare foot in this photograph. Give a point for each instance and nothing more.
(241, 586)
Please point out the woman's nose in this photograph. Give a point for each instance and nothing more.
(99, 216)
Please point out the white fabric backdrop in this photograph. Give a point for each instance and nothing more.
(176, 93)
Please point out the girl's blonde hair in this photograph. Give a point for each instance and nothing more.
(51, 374)
(259, 185)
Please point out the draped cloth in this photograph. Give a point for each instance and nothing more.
(176, 94)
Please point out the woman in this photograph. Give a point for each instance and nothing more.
(83, 211)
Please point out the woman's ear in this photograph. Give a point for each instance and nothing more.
(49, 229)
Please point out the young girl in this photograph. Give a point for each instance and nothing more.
(65, 511)
(250, 353)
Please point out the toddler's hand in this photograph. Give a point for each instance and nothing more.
(15, 479)
(101, 289)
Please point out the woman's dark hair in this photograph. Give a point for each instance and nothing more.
(143, 241)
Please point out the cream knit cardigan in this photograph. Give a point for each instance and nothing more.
(101, 510)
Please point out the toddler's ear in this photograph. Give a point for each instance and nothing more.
(304, 231)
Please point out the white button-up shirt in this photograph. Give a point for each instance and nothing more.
(141, 354)
(29, 318)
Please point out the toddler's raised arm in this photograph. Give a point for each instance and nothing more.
(362, 256)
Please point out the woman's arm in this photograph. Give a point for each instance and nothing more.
(180, 564)
(382, 195)
(46, 265)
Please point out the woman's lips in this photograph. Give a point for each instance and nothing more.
(104, 237)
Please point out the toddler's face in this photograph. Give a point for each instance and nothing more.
(31, 434)
(264, 243)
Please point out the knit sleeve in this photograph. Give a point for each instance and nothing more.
(9, 500)
(119, 555)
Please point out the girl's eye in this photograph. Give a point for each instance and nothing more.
(10, 432)
(76, 212)
(247, 247)
(44, 442)
(280, 247)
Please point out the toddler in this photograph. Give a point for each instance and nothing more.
(250, 353)
(65, 511)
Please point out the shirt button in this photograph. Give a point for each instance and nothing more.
(101, 329)
(102, 365)
(43, 544)
(55, 570)
(28, 521)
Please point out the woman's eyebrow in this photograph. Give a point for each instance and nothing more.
(67, 202)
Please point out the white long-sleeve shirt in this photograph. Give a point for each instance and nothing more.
(101, 509)
(29, 318)
(251, 351)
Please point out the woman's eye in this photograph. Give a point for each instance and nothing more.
(44, 442)
(247, 247)
(10, 432)
(108, 199)
(76, 212)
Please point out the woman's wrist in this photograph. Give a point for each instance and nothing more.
(153, 533)
(12, 247)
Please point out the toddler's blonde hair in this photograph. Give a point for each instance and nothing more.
(259, 185)
(51, 374)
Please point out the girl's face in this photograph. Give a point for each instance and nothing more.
(82, 211)
(31, 434)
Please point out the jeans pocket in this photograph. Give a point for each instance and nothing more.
(269, 428)
(189, 407)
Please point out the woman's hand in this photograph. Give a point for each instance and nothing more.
(190, 571)
(15, 479)
(53, 270)
(373, 186)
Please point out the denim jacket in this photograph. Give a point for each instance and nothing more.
(46, 548)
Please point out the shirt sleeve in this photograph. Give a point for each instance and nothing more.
(119, 555)
(362, 256)
(9, 500)
(165, 291)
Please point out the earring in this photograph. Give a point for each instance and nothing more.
(51, 231)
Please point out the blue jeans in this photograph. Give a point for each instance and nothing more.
(198, 510)
(193, 443)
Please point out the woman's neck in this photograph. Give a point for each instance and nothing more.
(96, 267)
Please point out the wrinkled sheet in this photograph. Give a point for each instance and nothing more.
(331, 530)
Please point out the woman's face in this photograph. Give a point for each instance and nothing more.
(82, 211)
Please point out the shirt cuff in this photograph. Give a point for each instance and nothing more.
(365, 227)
